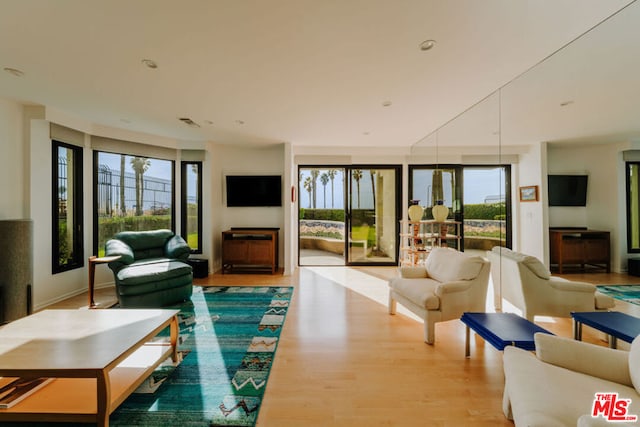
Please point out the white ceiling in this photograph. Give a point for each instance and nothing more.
(314, 72)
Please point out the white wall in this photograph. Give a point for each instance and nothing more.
(530, 227)
(231, 160)
(13, 161)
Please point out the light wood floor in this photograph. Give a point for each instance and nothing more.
(343, 360)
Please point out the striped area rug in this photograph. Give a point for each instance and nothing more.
(229, 337)
(627, 293)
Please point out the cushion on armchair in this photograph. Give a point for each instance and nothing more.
(448, 265)
(177, 248)
(117, 247)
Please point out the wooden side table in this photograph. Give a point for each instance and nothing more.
(93, 260)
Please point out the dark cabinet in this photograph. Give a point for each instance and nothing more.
(579, 247)
(254, 248)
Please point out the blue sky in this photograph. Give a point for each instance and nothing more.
(479, 183)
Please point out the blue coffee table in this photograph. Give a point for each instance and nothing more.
(501, 330)
(613, 323)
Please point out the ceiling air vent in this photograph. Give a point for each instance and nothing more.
(188, 121)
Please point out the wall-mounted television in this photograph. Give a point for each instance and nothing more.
(567, 190)
(254, 190)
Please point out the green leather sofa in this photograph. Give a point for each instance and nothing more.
(152, 270)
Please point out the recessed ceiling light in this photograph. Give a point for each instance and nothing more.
(14, 71)
(150, 63)
(386, 103)
(565, 103)
(209, 122)
(427, 45)
(365, 133)
(240, 122)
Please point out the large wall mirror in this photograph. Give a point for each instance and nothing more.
(585, 93)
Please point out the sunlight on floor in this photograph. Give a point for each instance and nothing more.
(376, 289)
(371, 287)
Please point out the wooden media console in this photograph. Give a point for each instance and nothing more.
(250, 248)
(581, 247)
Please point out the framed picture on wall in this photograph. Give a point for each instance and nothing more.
(529, 193)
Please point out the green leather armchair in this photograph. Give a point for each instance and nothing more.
(152, 270)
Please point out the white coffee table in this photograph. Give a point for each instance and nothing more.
(98, 357)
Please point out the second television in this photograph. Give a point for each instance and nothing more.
(568, 190)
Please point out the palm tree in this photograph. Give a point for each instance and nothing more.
(324, 179)
(307, 186)
(357, 176)
(332, 174)
(314, 181)
(140, 165)
(123, 207)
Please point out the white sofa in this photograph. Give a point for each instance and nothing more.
(526, 283)
(556, 386)
(449, 283)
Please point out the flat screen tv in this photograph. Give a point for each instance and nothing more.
(254, 190)
(567, 190)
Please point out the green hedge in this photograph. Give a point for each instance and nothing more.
(109, 226)
(358, 216)
(485, 211)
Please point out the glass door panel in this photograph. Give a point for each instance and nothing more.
(321, 218)
(372, 219)
(485, 207)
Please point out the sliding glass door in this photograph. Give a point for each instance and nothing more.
(372, 216)
(348, 215)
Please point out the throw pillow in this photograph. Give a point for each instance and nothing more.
(450, 265)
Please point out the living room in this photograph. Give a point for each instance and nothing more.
(574, 148)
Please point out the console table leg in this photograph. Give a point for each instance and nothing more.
(577, 330)
(92, 275)
(613, 342)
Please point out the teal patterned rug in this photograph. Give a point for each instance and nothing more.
(627, 293)
(228, 337)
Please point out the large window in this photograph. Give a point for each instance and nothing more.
(191, 213)
(67, 248)
(132, 193)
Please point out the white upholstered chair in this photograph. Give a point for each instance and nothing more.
(525, 282)
(449, 284)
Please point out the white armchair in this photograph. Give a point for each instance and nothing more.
(557, 385)
(526, 283)
(449, 284)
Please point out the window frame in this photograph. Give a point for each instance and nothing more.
(77, 261)
(629, 211)
(184, 165)
(96, 225)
